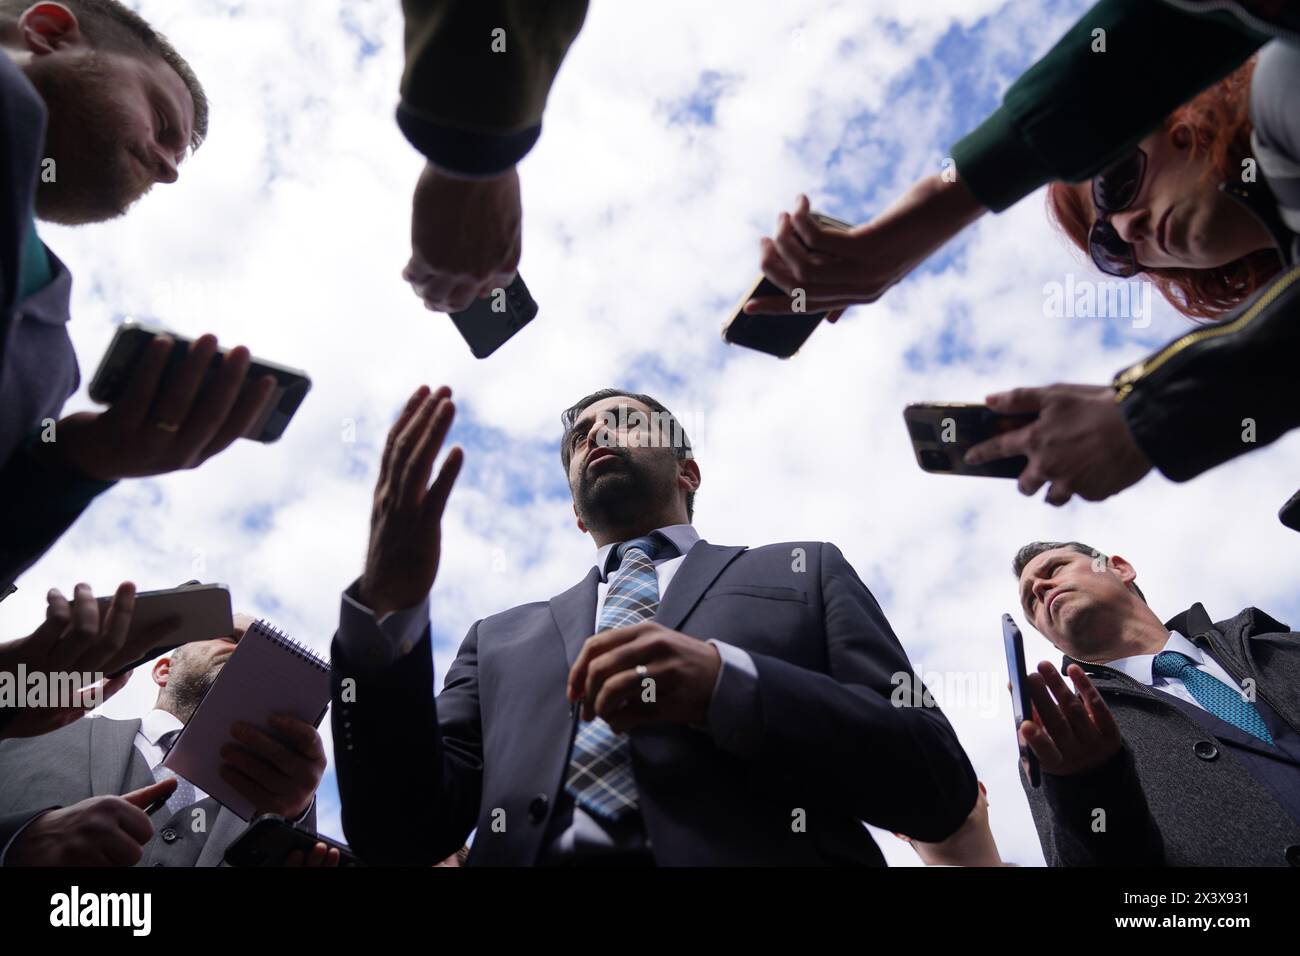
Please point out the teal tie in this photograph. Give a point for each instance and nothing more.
(1214, 695)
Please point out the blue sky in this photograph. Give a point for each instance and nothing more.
(675, 135)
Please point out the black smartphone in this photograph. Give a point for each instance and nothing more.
(191, 612)
(1021, 707)
(781, 334)
(270, 839)
(133, 337)
(942, 432)
(1289, 515)
(490, 322)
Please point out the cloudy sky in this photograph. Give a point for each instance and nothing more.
(675, 135)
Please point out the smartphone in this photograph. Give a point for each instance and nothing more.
(133, 337)
(1289, 515)
(488, 323)
(781, 335)
(942, 432)
(201, 612)
(270, 839)
(1021, 708)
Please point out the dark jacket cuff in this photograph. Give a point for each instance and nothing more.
(996, 164)
(463, 151)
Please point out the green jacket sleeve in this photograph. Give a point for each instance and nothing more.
(477, 76)
(1081, 106)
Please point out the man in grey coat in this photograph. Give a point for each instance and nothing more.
(77, 796)
(1179, 744)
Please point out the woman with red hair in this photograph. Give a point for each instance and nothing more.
(1175, 209)
(1142, 105)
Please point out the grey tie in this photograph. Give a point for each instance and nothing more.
(184, 794)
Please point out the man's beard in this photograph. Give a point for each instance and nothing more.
(617, 496)
(93, 177)
(186, 690)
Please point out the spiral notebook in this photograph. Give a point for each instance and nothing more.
(268, 673)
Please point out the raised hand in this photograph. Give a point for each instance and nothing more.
(406, 520)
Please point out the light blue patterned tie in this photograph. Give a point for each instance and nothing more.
(600, 767)
(1214, 695)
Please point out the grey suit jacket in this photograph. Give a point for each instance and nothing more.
(96, 756)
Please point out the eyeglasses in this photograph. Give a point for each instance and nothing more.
(1113, 190)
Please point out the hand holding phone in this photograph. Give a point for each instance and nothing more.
(942, 432)
(769, 320)
(164, 620)
(176, 408)
(83, 636)
(270, 840)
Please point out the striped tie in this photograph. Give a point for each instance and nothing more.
(600, 768)
(1214, 695)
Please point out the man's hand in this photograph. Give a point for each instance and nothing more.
(99, 831)
(1079, 442)
(837, 268)
(320, 855)
(681, 672)
(277, 775)
(406, 520)
(1073, 733)
(164, 423)
(465, 237)
(76, 638)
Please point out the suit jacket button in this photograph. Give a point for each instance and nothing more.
(1205, 750)
(1293, 854)
(168, 835)
(537, 808)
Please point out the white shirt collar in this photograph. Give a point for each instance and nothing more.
(1139, 666)
(682, 536)
(158, 722)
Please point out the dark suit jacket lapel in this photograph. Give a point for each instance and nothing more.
(112, 750)
(574, 613)
(702, 566)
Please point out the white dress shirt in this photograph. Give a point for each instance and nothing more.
(1139, 667)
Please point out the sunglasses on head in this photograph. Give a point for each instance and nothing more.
(1113, 190)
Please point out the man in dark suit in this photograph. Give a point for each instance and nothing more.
(1179, 745)
(685, 703)
(77, 796)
